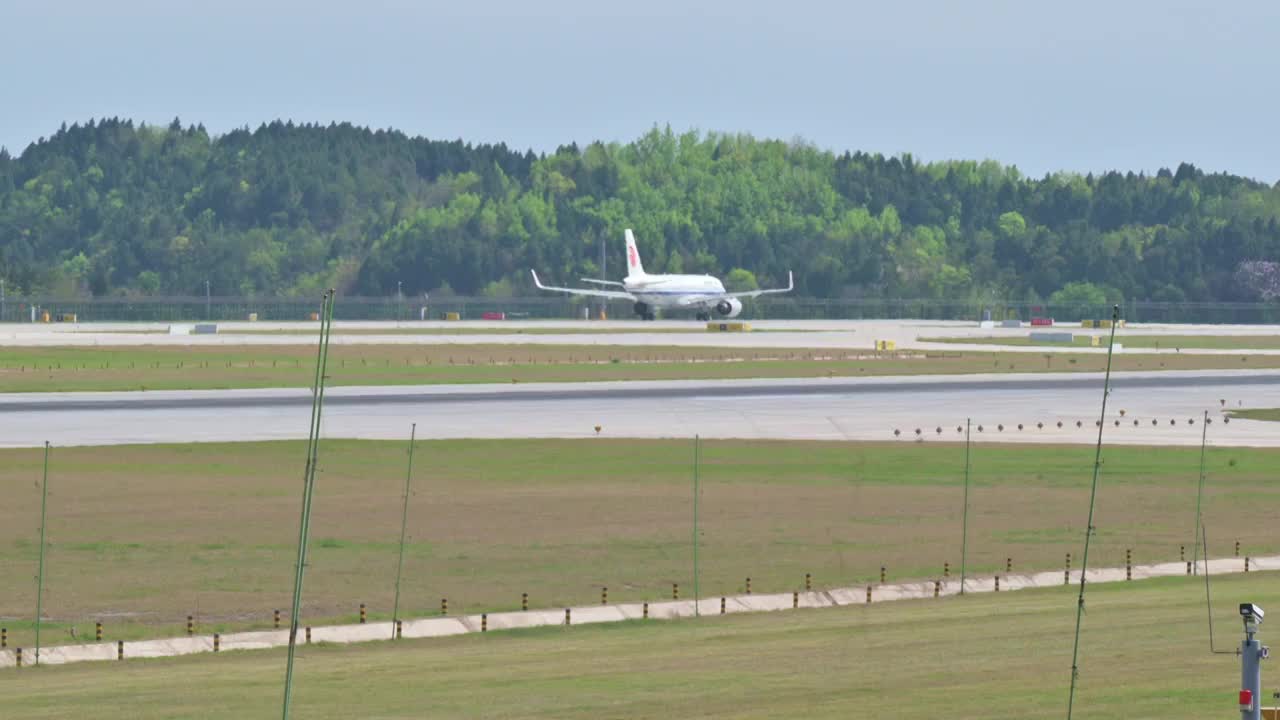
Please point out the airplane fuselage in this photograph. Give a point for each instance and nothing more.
(675, 291)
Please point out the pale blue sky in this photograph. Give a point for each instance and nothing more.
(1087, 85)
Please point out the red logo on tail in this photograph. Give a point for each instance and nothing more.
(631, 255)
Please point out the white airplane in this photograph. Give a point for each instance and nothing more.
(700, 293)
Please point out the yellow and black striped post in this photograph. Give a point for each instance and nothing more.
(1246, 563)
(1008, 565)
(604, 595)
(4, 637)
(1188, 567)
(882, 574)
(568, 617)
(18, 657)
(97, 631)
(524, 601)
(364, 615)
(444, 606)
(119, 649)
(721, 605)
(937, 588)
(808, 582)
(1066, 574)
(1182, 553)
(675, 591)
(646, 610)
(1128, 564)
(191, 626)
(217, 642)
(946, 570)
(308, 634)
(868, 594)
(276, 619)
(484, 622)
(399, 629)
(748, 586)
(997, 583)
(1237, 548)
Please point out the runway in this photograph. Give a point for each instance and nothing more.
(778, 334)
(820, 409)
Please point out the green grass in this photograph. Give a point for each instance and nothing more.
(514, 329)
(1159, 342)
(1143, 653)
(52, 369)
(142, 536)
(1271, 414)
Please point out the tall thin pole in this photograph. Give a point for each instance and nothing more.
(964, 523)
(44, 503)
(696, 592)
(1093, 492)
(308, 487)
(1208, 603)
(404, 523)
(1204, 437)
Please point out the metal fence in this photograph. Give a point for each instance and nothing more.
(188, 309)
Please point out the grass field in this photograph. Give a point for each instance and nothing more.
(1272, 414)
(513, 329)
(141, 536)
(1144, 653)
(180, 368)
(1158, 342)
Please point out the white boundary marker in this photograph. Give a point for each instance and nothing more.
(588, 614)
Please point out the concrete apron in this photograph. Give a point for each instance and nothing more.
(584, 615)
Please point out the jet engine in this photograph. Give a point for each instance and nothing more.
(729, 307)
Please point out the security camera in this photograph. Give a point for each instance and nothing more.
(1249, 611)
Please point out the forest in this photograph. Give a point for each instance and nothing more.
(110, 207)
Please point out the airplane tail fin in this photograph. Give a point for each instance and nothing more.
(635, 268)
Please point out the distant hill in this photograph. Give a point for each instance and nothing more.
(110, 207)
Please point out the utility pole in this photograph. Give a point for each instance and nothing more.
(1204, 440)
(207, 315)
(604, 275)
(964, 523)
(44, 516)
(398, 298)
(696, 590)
(308, 487)
(404, 523)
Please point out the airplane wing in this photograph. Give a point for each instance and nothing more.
(603, 282)
(622, 295)
(791, 283)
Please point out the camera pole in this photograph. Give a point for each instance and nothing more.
(1252, 653)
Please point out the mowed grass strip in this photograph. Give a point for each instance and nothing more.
(142, 536)
(1143, 653)
(1271, 414)
(56, 369)
(513, 329)
(1164, 342)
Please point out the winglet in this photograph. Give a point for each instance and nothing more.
(536, 281)
(791, 281)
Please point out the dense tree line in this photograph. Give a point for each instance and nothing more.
(110, 207)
